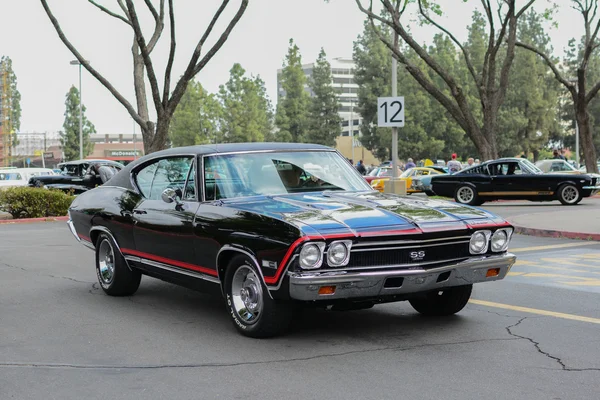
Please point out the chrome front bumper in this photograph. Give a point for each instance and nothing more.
(73, 231)
(304, 286)
(591, 188)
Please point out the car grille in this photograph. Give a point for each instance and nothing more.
(409, 254)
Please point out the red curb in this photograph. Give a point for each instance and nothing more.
(556, 234)
(32, 220)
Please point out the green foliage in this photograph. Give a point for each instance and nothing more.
(28, 202)
(248, 115)
(292, 110)
(529, 116)
(429, 131)
(324, 120)
(14, 97)
(69, 136)
(197, 118)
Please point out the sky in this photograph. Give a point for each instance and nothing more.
(259, 43)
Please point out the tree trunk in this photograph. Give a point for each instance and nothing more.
(161, 134)
(585, 137)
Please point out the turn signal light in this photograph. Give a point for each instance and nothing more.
(327, 290)
(492, 272)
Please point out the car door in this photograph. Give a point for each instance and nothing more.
(164, 231)
(510, 180)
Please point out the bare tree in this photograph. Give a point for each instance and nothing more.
(491, 83)
(581, 92)
(154, 133)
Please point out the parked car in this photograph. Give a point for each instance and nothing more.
(20, 176)
(513, 178)
(556, 166)
(249, 221)
(412, 177)
(76, 176)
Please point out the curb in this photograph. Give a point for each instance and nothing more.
(556, 234)
(33, 220)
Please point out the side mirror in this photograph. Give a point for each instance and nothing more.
(169, 195)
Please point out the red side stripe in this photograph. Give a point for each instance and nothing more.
(87, 239)
(170, 261)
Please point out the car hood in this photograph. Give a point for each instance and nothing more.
(364, 212)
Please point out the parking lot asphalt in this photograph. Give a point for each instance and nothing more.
(533, 335)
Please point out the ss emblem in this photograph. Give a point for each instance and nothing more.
(417, 255)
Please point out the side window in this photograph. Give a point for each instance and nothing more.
(170, 173)
(189, 194)
(144, 179)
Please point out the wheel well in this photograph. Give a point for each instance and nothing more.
(94, 236)
(223, 260)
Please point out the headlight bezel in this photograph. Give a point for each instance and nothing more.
(486, 236)
(347, 244)
(301, 261)
(508, 232)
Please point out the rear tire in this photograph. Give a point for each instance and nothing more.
(466, 194)
(114, 276)
(254, 313)
(569, 194)
(443, 302)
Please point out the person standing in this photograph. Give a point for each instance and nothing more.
(410, 164)
(361, 168)
(454, 165)
(470, 161)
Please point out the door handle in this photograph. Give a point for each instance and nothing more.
(139, 212)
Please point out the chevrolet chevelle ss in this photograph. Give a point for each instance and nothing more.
(273, 227)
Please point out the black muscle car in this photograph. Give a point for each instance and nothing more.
(513, 178)
(274, 226)
(76, 176)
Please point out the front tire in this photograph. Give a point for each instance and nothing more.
(467, 194)
(569, 194)
(254, 313)
(114, 276)
(443, 302)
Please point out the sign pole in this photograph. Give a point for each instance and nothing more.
(395, 174)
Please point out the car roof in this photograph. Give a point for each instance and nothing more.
(239, 147)
(87, 161)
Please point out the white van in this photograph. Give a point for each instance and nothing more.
(11, 177)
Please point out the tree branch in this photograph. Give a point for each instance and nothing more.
(158, 27)
(112, 14)
(420, 77)
(453, 38)
(592, 93)
(153, 10)
(550, 64)
(89, 68)
(167, 87)
(194, 66)
(525, 7)
(139, 36)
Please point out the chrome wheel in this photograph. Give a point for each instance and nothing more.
(247, 294)
(106, 262)
(465, 194)
(570, 194)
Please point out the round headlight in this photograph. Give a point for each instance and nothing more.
(478, 243)
(499, 240)
(338, 254)
(311, 256)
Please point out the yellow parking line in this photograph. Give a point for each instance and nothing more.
(536, 311)
(566, 269)
(567, 262)
(554, 246)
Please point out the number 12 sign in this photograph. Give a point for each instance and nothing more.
(390, 111)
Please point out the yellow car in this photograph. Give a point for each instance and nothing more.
(411, 176)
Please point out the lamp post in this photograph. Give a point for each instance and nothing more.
(76, 62)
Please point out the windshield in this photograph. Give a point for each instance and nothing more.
(241, 175)
(531, 167)
(10, 176)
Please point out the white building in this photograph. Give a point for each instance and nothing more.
(342, 70)
(34, 143)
